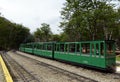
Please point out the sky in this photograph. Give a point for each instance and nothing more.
(31, 13)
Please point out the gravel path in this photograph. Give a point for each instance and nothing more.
(106, 77)
(18, 73)
(41, 72)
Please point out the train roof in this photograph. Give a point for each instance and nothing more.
(96, 41)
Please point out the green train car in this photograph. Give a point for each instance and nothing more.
(96, 54)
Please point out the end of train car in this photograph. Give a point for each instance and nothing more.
(96, 54)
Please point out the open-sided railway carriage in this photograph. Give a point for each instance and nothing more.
(97, 54)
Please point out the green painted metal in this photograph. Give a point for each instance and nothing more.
(28, 50)
(43, 51)
(21, 48)
(93, 58)
(93, 53)
(87, 60)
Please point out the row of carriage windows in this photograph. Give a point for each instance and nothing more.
(84, 48)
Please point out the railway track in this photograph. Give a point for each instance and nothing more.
(19, 73)
(60, 70)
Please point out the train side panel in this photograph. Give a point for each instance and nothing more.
(44, 53)
(43, 49)
(97, 54)
(29, 50)
(86, 60)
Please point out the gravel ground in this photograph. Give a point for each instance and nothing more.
(42, 73)
(106, 77)
(50, 76)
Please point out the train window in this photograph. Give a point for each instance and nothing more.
(34, 46)
(78, 48)
(93, 49)
(62, 47)
(39, 46)
(44, 47)
(56, 47)
(72, 47)
(109, 48)
(86, 48)
(97, 49)
(28, 46)
(102, 49)
(66, 48)
(49, 47)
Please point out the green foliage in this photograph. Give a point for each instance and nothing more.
(11, 34)
(56, 37)
(43, 33)
(64, 37)
(90, 20)
(118, 58)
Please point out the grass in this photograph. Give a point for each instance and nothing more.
(118, 58)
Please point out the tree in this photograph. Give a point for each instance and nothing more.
(38, 35)
(55, 37)
(20, 35)
(64, 37)
(45, 28)
(43, 33)
(11, 34)
(89, 20)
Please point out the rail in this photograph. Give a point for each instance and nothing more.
(60, 70)
(20, 71)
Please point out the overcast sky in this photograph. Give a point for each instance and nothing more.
(31, 13)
